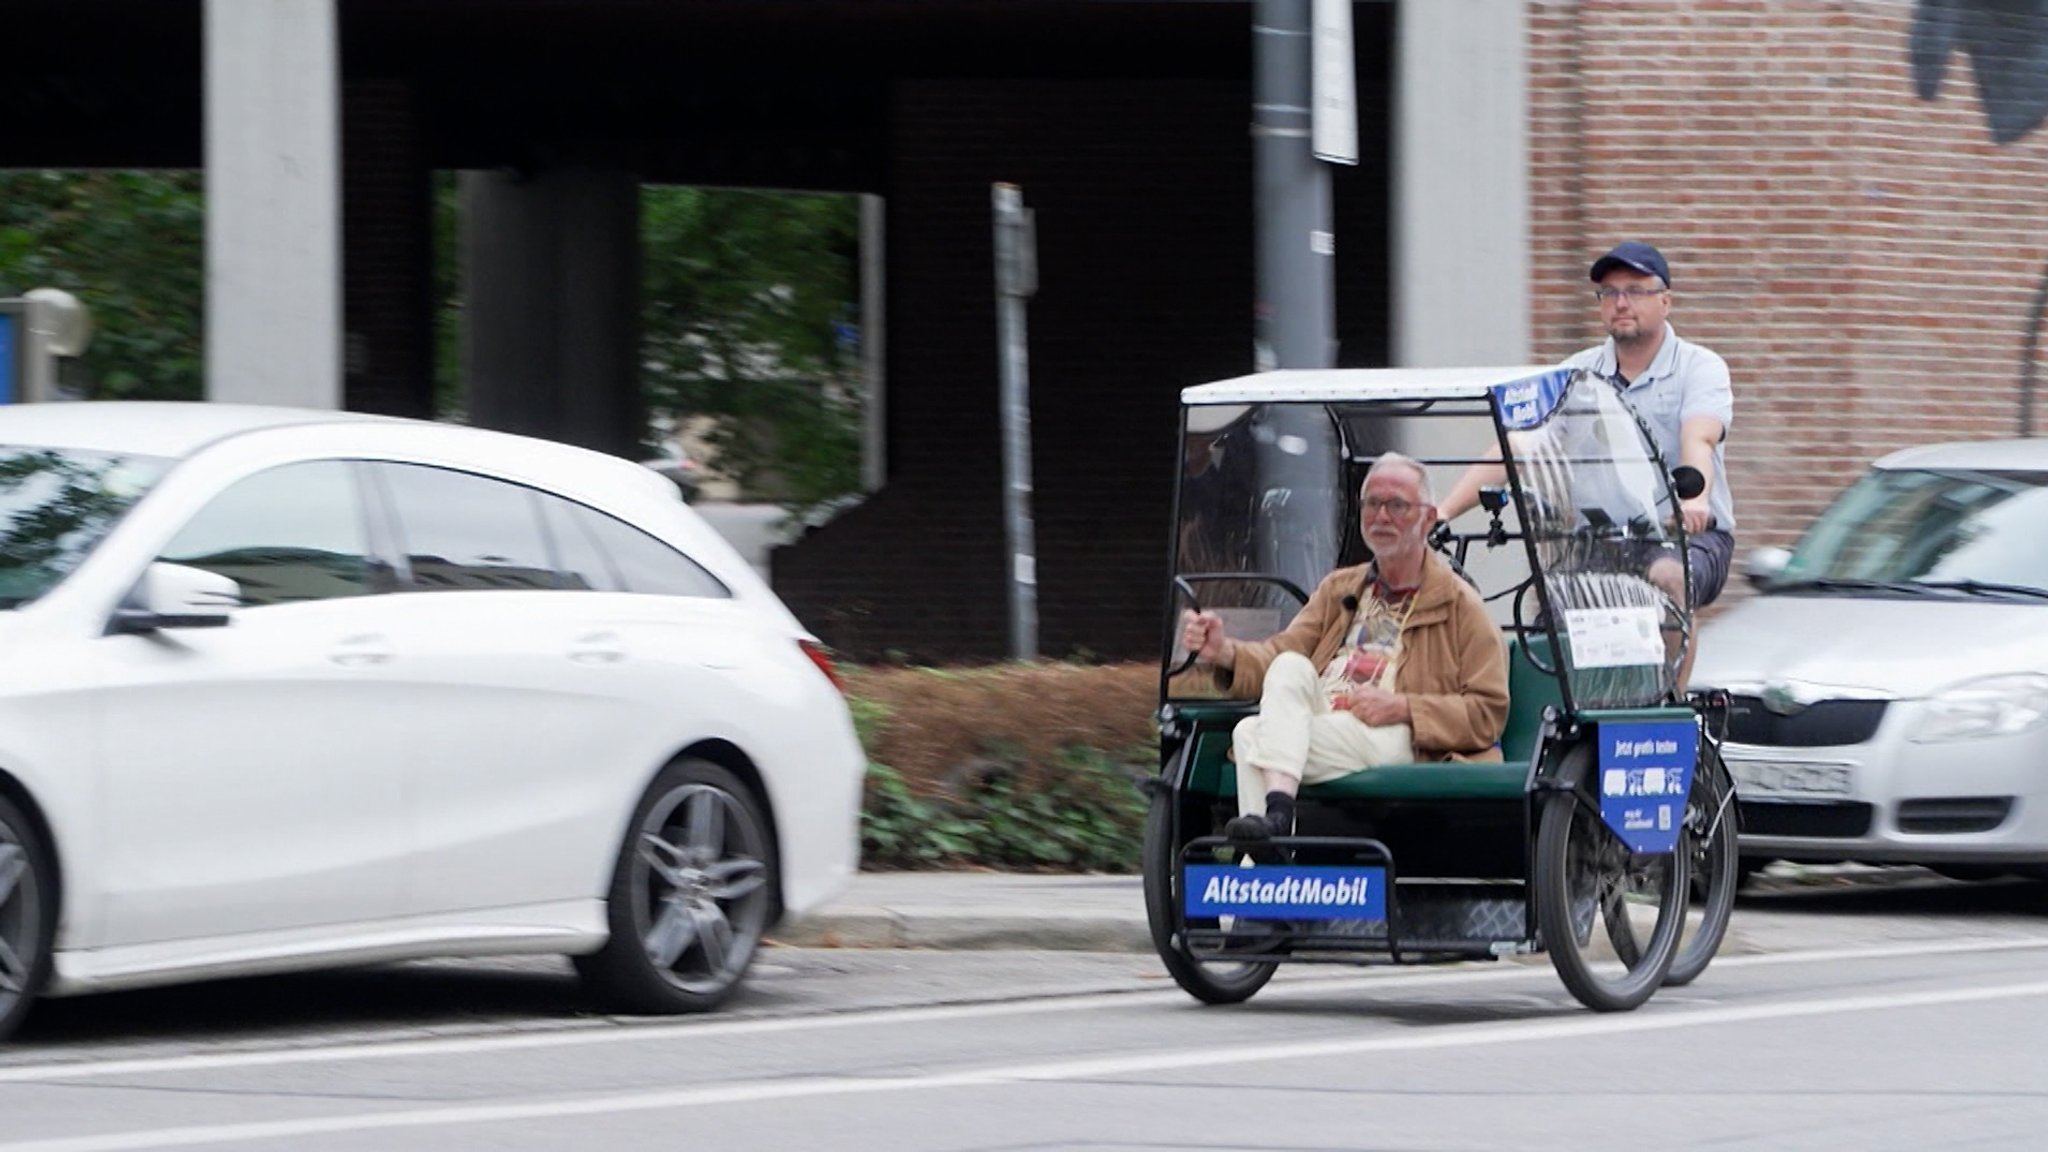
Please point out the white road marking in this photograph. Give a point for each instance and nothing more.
(1453, 1036)
(634, 1033)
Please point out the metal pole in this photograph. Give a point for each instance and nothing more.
(1300, 522)
(1016, 280)
(1295, 273)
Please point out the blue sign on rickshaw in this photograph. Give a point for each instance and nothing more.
(1645, 775)
(1528, 402)
(1286, 893)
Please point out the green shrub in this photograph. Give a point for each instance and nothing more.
(1083, 814)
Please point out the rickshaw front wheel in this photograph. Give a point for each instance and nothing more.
(1211, 982)
(1585, 873)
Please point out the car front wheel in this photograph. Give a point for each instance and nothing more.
(691, 895)
(27, 914)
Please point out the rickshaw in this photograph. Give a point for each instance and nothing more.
(1603, 836)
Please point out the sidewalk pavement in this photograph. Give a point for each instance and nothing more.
(1094, 913)
(970, 910)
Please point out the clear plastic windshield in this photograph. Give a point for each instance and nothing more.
(1262, 510)
(1599, 512)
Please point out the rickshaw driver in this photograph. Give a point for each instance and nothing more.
(1682, 393)
(1389, 662)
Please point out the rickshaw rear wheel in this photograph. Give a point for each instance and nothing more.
(1710, 845)
(1578, 858)
(1209, 981)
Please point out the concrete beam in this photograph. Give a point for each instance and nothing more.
(1461, 185)
(273, 195)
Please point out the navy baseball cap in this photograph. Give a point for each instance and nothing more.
(1635, 256)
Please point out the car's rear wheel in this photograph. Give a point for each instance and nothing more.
(27, 915)
(691, 895)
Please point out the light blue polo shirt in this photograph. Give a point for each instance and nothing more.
(1684, 380)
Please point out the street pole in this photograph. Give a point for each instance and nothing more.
(1295, 270)
(1016, 281)
(1294, 310)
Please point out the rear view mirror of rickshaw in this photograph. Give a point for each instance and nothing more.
(1567, 552)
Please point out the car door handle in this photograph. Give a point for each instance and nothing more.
(597, 648)
(361, 652)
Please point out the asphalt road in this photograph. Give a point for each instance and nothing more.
(1914, 1041)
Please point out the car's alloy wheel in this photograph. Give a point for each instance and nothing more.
(691, 896)
(25, 917)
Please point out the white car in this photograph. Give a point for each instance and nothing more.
(291, 689)
(1890, 682)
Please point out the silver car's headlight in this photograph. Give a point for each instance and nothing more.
(1992, 706)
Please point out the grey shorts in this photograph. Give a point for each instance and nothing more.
(1709, 554)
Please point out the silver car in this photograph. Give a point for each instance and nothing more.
(1890, 681)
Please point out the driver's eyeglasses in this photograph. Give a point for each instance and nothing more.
(1399, 509)
(1635, 295)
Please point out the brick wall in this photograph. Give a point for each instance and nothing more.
(1867, 261)
(387, 232)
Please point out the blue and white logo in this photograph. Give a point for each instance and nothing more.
(1286, 893)
(1528, 402)
(1645, 773)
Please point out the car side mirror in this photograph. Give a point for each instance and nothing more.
(1764, 565)
(176, 596)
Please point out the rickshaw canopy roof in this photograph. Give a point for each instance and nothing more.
(1358, 385)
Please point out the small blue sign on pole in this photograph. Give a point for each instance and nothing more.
(10, 360)
(1645, 774)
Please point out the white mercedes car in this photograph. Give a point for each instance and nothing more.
(1890, 681)
(291, 689)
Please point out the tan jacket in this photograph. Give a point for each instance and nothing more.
(1453, 670)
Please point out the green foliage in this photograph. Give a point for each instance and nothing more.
(744, 292)
(1083, 815)
(132, 247)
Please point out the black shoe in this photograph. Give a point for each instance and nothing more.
(1248, 829)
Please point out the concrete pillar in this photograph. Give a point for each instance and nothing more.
(273, 203)
(551, 333)
(1461, 185)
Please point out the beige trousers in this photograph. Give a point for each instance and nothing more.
(1298, 734)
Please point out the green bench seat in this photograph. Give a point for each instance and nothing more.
(1529, 691)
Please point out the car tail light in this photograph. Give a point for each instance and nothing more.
(823, 660)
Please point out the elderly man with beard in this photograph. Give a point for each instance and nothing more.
(1389, 662)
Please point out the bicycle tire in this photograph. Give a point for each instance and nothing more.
(1578, 858)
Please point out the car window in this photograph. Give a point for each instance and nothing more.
(289, 534)
(1932, 527)
(56, 504)
(579, 563)
(464, 532)
(645, 564)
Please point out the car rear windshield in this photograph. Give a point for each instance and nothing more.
(56, 505)
(1937, 529)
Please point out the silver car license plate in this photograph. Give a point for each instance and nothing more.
(1803, 778)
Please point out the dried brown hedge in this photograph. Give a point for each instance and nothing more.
(934, 723)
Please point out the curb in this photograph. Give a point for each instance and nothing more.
(948, 930)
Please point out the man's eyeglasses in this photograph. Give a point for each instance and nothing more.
(1398, 509)
(1635, 295)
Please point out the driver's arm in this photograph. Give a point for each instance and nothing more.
(1697, 437)
(1464, 495)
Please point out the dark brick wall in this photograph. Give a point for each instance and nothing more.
(388, 251)
(1142, 190)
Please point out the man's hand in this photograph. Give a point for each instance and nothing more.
(1378, 707)
(1697, 514)
(1202, 634)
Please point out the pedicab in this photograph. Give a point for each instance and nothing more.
(1605, 834)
